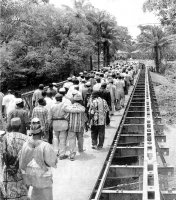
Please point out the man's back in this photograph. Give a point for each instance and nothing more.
(97, 86)
(76, 117)
(105, 94)
(6, 100)
(23, 115)
(119, 85)
(97, 110)
(36, 96)
(41, 113)
(49, 103)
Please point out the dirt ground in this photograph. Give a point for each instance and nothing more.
(165, 89)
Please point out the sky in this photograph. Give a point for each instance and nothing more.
(128, 13)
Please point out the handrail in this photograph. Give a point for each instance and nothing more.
(27, 97)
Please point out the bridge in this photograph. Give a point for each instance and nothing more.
(132, 164)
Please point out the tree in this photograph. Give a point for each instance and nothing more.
(154, 38)
(165, 10)
(41, 43)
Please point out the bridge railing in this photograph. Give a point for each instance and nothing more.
(27, 97)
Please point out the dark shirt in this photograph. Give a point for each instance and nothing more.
(52, 91)
(23, 115)
(105, 94)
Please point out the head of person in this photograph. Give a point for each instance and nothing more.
(88, 84)
(41, 86)
(103, 86)
(83, 81)
(73, 78)
(51, 86)
(81, 74)
(98, 80)
(42, 102)
(77, 98)
(84, 73)
(43, 94)
(19, 103)
(17, 95)
(36, 130)
(95, 94)
(69, 79)
(76, 82)
(66, 89)
(102, 75)
(87, 77)
(92, 76)
(15, 124)
(58, 97)
(62, 91)
(113, 76)
(49, 94)
(35, 120)
(9, 91)
(110, 81)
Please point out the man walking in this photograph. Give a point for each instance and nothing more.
(5, 102)
(112, 90)
(60, 126)
(22, 114)
(98, 110)
(77, 118)
(105, 94)
(1, 117)
(42, 113)
(37, 95)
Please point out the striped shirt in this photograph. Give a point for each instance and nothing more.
(41, 113)
(76, 117)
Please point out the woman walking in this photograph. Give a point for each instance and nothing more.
(12, 177)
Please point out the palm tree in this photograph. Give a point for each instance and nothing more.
(98, 19)
(157, 40)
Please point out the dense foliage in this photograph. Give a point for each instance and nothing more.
(165, 10)
(156, 40)
(41, 43)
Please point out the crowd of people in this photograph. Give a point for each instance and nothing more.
(31, 145)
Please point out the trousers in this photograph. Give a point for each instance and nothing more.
(98, 135)
(59, 142)
(112, 108)
(79, 136)
(72, 141)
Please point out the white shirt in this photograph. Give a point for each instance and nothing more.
(97, 86)
(12, 105)
(49, 103)
(66, 101)
(119, 85)
(6, 100)
(68, 84)
(70, 91)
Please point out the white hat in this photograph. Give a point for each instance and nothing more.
(88, 84)
(62, 90)
(18, 101)
(75, 92)
(77, 97)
